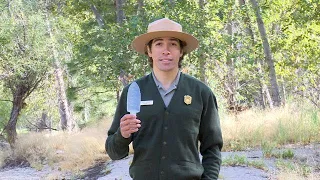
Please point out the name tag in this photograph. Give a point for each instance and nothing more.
(146, 103)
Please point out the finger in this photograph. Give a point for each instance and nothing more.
(130, 124)
(126, 127)
(129, 121)
(134, 130)
(129, 131)
(128, 116)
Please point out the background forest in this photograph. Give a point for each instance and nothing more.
(63, 63)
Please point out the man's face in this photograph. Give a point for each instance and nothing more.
(165, 53)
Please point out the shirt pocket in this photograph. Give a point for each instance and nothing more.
(142, 170)
(188, 119)
(184, 170)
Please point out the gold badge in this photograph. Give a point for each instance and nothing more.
(187, 99)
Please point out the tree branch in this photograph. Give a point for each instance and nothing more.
(34, 86)
(43, 127)
(6, 100)
(307, 97)
(3, 76)
(98, 16)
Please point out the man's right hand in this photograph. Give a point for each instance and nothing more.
(129, 124)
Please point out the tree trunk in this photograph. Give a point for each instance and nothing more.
(264, 87)
(21, 86)
(172, 2)
(120, 18)
(264, 91)
(202, 59)
(140, 10)
(247, 21)
(268, 56)
(65, 114)
(20, 91)
(119, 10)
(15, 112)
(230, 77)
(86, 111)
(283, 91)
(43, 121)
(201, 3)
(62, 99)
(98, 15)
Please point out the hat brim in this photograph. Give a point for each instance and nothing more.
(139, 43)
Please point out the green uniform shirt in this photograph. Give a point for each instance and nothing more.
(166, 145)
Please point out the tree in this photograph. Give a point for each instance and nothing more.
(203, 58)
(263, 89)
(120, 12)
(231, 80)
(23, 56)
(268, 55)
(66, 120)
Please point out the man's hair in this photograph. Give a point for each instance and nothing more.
(182, 45)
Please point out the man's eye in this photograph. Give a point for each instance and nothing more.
(174, 44)
(158, 44)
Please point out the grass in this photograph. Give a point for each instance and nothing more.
(294, 123)
(294, 170)
(297, 123)
(3, 155)
(268, 151)
(254, 128)
(237, 160)
(67, 152)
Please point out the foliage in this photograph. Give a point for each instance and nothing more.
(5, 107)
(24, 60)
(93, 56)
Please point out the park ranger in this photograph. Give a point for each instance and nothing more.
(178, 113)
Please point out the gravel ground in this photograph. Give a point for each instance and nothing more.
(308, 155)
(120, 170)
(28, 173)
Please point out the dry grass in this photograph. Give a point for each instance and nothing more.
(293, 175)
(74, 151)
(294, 123)
(3, 155)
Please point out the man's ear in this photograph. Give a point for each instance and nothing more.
(181, 53)
(149, 51)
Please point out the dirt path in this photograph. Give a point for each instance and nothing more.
(116, 170)
(120, 170)
(306, 155)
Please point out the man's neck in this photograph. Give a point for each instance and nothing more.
(166, 78)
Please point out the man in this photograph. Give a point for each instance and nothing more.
(181, 111)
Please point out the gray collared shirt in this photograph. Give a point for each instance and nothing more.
(167, 94)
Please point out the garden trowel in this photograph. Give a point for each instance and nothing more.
(133, 98)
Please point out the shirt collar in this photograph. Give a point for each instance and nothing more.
(173, 85)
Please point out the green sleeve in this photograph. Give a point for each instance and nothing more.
(210, 138)
(116, 145)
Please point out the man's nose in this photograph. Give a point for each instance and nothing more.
(166, 50)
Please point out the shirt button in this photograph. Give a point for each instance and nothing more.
(165, 128)
(162, 173)
(166, 113)
(164, 143)
(163, 157)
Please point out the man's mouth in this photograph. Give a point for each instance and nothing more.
(165, 59)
